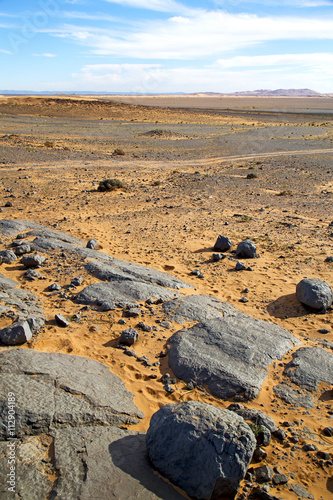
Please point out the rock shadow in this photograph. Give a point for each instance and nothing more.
(287, 305)
(130, 455)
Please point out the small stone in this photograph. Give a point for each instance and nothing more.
(144, 327)
(61, 320)
(54, 287)
(77, 281)
(32, 275)
(218, 256)
(280, 479)
(244, 299)
(223, 244)
(168, 388)
(259, 455)
(8, 204)
(309, 447)
(7, 256)
(33, 260)
(129, 336)
(122, 321)
(328, 431)
(323, 331)
(107, 305)
(133, 312)
(246, 249)
(263, 474)
(16, 334)
(92, 244)
(240, 266)
(22, 249)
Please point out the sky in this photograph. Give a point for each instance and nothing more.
(166, 46)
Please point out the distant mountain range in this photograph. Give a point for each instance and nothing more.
(271, 93)
(249, 93)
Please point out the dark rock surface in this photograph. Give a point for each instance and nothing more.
(246, 249)
(197, 308)
(289, 395)
(309, 367)
(256, 416)
(314, 293)
(70, 408)
(7, 256)
(122, 292)
(47, 387)
(33, 260)
(223, 244)
(90, 463)
(16, 334)
(230, 355)
(16, 303)
(202, 449)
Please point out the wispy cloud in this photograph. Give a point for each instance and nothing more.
(157, 5)
(88, 17)
(209, 34)
(278, 60)
(3, 51)
(154, 78)
(44, 55)
(286, 3)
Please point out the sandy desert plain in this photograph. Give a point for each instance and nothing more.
(186, 165)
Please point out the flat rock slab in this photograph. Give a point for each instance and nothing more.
(296, 398)
(122, 292)
(59, 390)
(10, 227)
(229, 355)
(16, 302)
(309, 367)
(197, 308)
(90, 463)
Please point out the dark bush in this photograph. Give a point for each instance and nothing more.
(110, 185)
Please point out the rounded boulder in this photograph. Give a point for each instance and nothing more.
(315, 293)
(200, 448)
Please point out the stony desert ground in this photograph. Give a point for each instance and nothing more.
(189, 174)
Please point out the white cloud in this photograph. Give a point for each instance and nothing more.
(278, 60)
(90, 17)
(44, 55)
(286, 3)
(157, 5)
(145, 78)
(3, 51)
(208, 34)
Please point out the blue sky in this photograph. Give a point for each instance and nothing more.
(162, 46)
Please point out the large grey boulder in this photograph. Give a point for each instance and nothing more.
(57, 390)
(10, 227)
(16, 334)
(246, 249)
(200, 448)
(309, 367)
(315, 293)
(7, 256)
(229, 355)
(33, 260)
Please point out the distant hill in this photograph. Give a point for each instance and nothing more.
(272, 93)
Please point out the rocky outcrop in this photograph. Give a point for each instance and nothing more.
(309, 367)
(200, 448)
(229, 355)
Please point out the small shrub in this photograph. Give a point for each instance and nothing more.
(48, 144)
(110, 185)
(118, 152)
(251, 176)
(285, 193)
(251, 167)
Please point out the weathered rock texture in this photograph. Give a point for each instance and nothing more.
(71, 408)
(229, 355)
(310, 366)
(202, 449)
